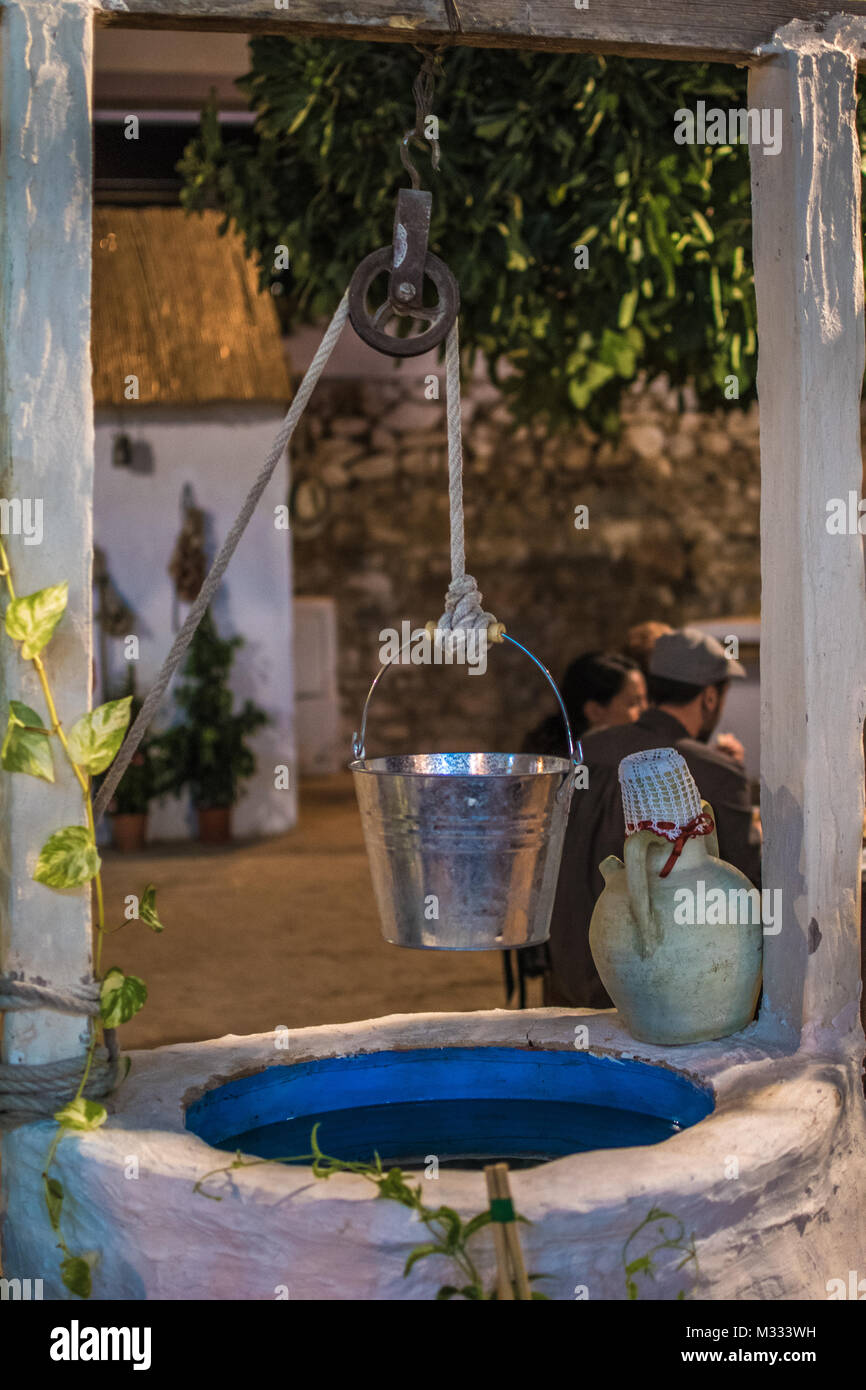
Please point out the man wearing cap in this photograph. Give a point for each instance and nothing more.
(688, 677)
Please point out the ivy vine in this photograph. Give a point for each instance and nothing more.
(70, 859)
(449, 1235)
(657, 1236)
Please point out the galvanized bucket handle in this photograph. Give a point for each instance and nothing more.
(575, 753)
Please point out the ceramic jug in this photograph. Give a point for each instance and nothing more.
(680, 956)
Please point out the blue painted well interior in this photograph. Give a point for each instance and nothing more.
(467, 1105)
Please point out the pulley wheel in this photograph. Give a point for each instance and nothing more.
(371, 328)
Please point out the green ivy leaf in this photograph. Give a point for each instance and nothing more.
(75, 1273)
(627, 306)
(451, 1220)
(491, 130)
(420, 1253)
(67, 859)
(95, 738)
(121, 997)
(27, 747)
(147, 909)
(482, 1219)
(394, 1185)
(703, 226)
(53, 1200)
(82, 1114)
(32, 619)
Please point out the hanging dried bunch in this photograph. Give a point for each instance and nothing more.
(188, 563)
(114, 614)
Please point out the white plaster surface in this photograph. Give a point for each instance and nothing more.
(47, 440)
(136, 521)
(809, 283)
(793, 1219)
(795, 1216)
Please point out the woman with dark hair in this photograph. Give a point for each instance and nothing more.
(599, 688)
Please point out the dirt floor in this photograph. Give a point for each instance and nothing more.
(277, 931)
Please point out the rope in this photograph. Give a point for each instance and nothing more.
(422, 91)
(36, 1091)
(21, 994)
(463, 611)
(217, 569)
(30, 1091)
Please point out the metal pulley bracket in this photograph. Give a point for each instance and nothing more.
(409, 249)
(408, 261)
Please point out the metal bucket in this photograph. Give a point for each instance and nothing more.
(465, 848)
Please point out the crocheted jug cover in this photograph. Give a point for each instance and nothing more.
(659, 794)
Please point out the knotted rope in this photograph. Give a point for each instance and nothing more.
(21, 994)
(463, 611)
(30, 1092)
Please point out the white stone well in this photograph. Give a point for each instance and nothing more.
(787, 1217)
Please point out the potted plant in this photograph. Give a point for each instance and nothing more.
(128, 807)
(207, 750)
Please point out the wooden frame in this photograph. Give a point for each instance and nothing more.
(719, 30)
(807, 214)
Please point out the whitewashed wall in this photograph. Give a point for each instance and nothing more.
(218, 450)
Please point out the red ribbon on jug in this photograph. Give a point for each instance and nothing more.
(701, 825)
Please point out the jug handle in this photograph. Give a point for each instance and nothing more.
(635, 852)
(575, 748)
(712, 839)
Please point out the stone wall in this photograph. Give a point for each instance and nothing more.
(673, 534)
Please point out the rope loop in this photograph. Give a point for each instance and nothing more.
(463, 610)
(35, 1091)
(16, 995)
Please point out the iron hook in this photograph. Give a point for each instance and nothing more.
(407, 161)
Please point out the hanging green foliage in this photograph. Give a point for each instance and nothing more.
(541, 154)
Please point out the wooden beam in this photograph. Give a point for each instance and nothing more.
(809, 282)
(693, 29)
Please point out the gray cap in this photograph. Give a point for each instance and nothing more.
(693, 657)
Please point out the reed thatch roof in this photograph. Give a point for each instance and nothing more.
(178, 306)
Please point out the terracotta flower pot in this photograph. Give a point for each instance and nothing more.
(129, 831)
(214, 824)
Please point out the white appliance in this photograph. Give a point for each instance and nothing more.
(317, 713)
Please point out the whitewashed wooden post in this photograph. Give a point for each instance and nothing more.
(47, 453)
(809, 277)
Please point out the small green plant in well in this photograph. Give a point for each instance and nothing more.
(661, 1237)
(449, 1235)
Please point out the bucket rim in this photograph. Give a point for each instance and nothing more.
(562, 765)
